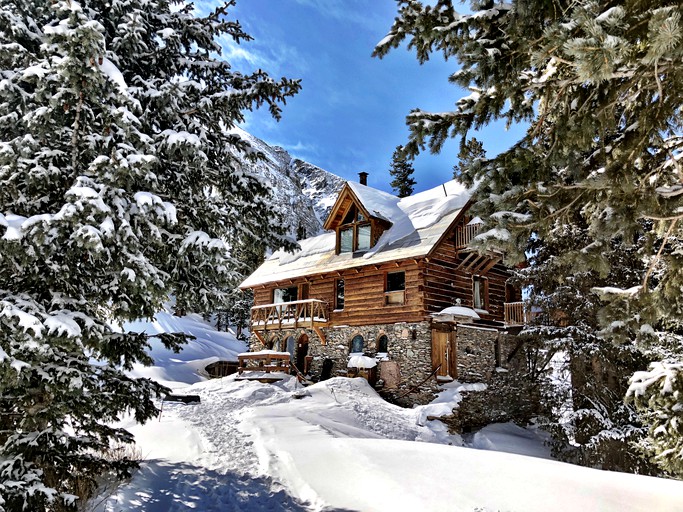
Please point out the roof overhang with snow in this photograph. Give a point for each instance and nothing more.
(418, 223)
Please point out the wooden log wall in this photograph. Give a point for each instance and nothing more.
(447, 279)
(432, 285)
(364, 298)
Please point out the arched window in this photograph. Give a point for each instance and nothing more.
(383, 344)
(272, 342)
(290, 346)
(357, 344)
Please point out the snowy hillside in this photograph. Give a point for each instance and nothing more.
(303, 193)
(187, 367)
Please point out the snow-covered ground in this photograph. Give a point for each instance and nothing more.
(337, 446)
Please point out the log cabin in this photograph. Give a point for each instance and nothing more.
(392, 280)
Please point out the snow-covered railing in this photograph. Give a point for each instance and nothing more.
(265, 361)
(465, 234)
(298, 313)
(517, 313)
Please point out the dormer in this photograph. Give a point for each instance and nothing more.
(356, 217)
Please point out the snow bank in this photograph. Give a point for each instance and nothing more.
(179, 370)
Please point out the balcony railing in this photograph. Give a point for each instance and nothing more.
(517, 313)
(465, 234)
(290, 315)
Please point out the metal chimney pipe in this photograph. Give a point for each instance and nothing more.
(363, 178)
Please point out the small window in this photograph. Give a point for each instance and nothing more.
(364, 237)
(354, 233)
(290, 346)
(395, 288)
(479, 292)
(285, 294)
(396, 281)
(383, 344)
(351, 216)
(339, 294)
(357, 344)
(346, 240)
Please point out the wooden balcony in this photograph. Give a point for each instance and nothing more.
(517, 313)
(311, 313)
(465, 234)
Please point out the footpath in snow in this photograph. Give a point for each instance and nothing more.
(338, 446)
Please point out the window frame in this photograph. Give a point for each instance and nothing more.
(483, 293)
(394, 297)
(336, 294)
(351, 344)
(358, 221)
(379, 344)
(293, 287)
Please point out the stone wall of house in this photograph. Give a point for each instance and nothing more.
(409, 346)
(484, 354)
(496, 359)
(476, 352)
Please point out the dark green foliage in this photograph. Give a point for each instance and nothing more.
(402, 172)
(471, 156)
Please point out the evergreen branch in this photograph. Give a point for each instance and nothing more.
(659, 252)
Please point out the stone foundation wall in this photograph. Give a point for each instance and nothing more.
(409, 345)
(508, 397)
(496, 359)
(476, 353)
(484, 354)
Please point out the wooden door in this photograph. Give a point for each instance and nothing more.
(444, 354)
(302, 353)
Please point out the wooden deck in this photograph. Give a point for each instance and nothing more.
(290, 315)
(310, 313)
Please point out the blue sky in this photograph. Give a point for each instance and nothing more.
(350, 114)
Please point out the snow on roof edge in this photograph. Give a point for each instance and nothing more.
(422, 221)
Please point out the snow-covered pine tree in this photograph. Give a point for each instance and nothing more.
(586, 412)
(471, 154)
(402, 172)
(600, 86)
(118, 191)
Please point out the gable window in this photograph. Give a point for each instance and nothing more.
(354, 234)
(394, 290)
(339, 294)
(480, 295)
(357, 344)
(363, 237)
(346, 239)
(285, 294)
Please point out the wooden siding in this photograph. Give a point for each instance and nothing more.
(364, 297)
(432, 284)
(447, 279)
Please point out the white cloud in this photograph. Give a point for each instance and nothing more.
(343, 10)
(297, 150)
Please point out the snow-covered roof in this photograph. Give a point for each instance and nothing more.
(418, 223)
(378, 203)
